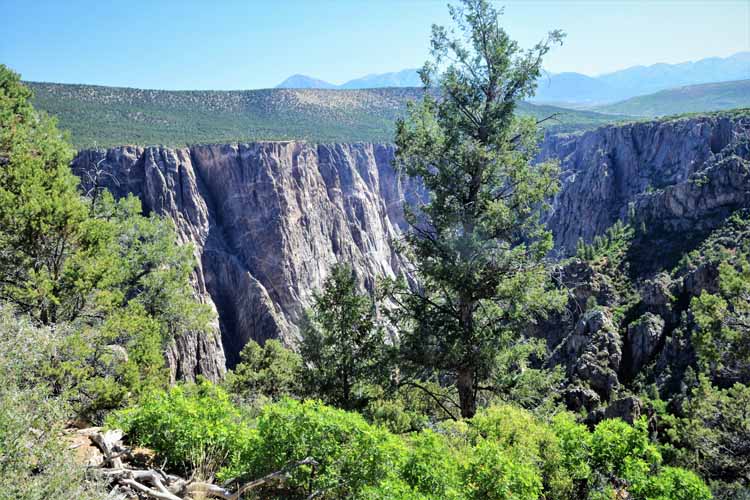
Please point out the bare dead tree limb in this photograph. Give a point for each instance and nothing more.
(273, 476)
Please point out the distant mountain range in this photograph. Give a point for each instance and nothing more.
(403, 78)
(576, 88)
(639, 80)
(688, 99)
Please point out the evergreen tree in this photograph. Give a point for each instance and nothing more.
(342, 342)
(478, 245)
(111, 281)
(272, 371)
(41, 212)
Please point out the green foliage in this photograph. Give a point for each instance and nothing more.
(112, 282)
(478, 245)
(398, 414)
(431, 466)
(732, 237)
(611, 247)
(494, 474)
(528, 440)
(41, 213)
(713, 435)
(574, 441)
(272, 371)
(111, 116)
(352, 454)
(191, 425)
(516, 380)
(503, 452)
(343, 345)
(34, 462)
(614, 444)
(670, 483)
(723, 319)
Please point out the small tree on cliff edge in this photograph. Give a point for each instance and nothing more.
(478, 245)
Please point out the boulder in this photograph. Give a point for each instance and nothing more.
(644, 336)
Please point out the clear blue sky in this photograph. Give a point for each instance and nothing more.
(254, 44)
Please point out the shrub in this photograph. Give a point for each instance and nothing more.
(393, 488)
(395, 416)
(352, 453)
(495, 473)
(575, 454)
(34, 462)
(671, 483)
(192, 425)
(526, 438)
(431, 467)
(614, 442)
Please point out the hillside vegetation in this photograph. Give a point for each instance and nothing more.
(689, 99)
(110, 116)
(438, 385)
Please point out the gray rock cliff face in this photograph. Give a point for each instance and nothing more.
(268, 219)
(656, 166)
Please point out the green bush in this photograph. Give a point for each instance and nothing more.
(395, 416)
(671, 483)
(192, 426)
(529, 439)
(503, 452)
(352, 453)
(494, 473)
(574, 441)
(614, 442)
(431, 466)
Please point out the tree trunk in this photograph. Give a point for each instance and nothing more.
(466, 398)
(465, 375)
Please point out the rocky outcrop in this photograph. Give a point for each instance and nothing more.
(591, 354)
(644, 336)
(266, 221)
(676, 173)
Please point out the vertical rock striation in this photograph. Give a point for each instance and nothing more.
(267, 220)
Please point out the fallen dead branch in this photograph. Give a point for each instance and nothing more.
(128, 483)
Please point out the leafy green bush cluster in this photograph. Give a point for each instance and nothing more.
(191, 426)
(503, 452)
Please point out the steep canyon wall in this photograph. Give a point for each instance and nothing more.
(268, 219)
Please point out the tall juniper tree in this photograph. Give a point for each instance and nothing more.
(478, 244)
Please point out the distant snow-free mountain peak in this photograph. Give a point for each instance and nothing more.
(304, 82)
